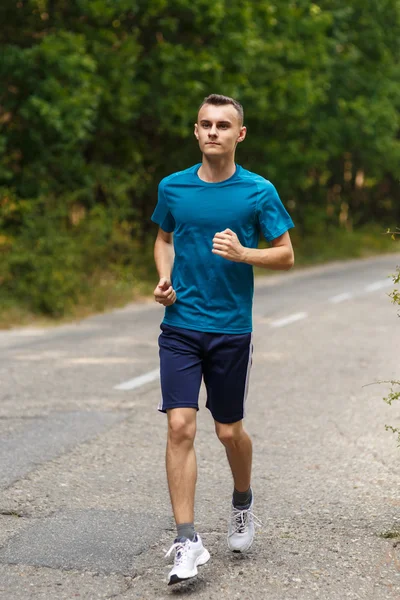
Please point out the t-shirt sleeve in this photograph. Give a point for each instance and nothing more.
(273, 218)
(162, 215)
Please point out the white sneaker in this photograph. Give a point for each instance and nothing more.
(241, 528)
(188, 556)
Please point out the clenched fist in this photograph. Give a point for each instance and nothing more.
(164, 293)
(226, 244)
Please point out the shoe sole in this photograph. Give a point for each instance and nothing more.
(242, 551)
(201, 560)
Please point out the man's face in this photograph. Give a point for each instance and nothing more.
(218, 130)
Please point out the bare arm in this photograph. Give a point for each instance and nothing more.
(279, 257)
(164, 258)
(164, 253)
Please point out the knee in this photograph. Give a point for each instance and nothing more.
(229, 434)
(181, 429)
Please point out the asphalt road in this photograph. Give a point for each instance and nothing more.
(84, 508)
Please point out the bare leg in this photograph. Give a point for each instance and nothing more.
(181, 462)
(239, 451)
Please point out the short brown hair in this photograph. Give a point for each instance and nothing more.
(219, 100)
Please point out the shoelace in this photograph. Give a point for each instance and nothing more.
(181, 550)
(240, 519)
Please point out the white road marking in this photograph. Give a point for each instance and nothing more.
(340, 298)
(290, 319)
(378, 285)
(132, 384)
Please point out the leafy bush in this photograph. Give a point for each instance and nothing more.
(55, 258)
(98, 101)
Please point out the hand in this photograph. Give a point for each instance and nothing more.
(164, 293)
(226, 244)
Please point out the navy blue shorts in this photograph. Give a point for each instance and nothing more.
(223, 360)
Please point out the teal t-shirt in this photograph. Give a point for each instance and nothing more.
(214, 294)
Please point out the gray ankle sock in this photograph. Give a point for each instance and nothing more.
(186, 530)
(242, 499)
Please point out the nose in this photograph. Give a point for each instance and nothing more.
(213, 132)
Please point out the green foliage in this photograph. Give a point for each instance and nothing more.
(63, 256)
(395, 294)
(98, 101)
(394, 393)
(330, 243)
(389, 399)
(390, 535)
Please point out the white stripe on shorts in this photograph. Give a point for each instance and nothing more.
(246, 386)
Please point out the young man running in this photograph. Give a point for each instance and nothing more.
(209, 218)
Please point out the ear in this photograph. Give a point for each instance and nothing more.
(196, 131)
(242, 134)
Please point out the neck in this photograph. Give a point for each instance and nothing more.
(214, 171)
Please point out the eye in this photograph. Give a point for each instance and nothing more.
(205, 125)
(224, 126)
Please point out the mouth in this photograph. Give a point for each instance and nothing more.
(212, 144)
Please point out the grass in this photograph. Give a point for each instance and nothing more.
(342, 245)
(390, 535)
(106, 292)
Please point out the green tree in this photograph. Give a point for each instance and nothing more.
(98, 101)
